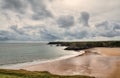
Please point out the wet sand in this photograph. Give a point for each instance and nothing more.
(98, 62)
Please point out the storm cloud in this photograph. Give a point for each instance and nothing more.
(65, 21)
(48, 36)
(40, 10)
(37, 7)
(108, 29)
(14, 5)
(6, 35)
(84, 18)
(17, 30)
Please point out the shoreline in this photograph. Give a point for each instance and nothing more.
(21, 65)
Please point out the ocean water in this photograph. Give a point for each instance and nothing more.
(14, 53)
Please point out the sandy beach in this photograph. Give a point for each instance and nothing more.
(109, 51)
(98, 62)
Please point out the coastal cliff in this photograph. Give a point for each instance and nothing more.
(86, 45)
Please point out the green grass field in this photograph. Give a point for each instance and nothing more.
(29, 74)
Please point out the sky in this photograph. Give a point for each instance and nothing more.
(59, 20)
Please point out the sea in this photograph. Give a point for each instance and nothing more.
(20, 53)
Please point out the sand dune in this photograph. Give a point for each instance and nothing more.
(104, 64)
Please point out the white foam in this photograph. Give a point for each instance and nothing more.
(82, 52)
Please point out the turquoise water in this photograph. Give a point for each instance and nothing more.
(13, 53)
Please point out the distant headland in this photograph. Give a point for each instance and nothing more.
(86, 45)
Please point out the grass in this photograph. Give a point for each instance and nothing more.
(4, 73)
(8, 76)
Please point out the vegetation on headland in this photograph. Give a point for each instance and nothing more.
(86, 45)
(5, 73)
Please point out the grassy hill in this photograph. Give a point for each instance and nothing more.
(28, 74)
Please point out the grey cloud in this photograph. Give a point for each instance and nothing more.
(104, 29)
(40, 10)
(41, 15)
(6, 35)
(84, 18)
(107, 29)
(41, 33)
(45, 33)
(77, 35)
(65, 21)
(38, 7)
(30, 27)
(48, 36)
(116, 26)
(14, 5)
(9, 35)
(82, 34)
(21, 34)
(104, 25)
(110, 34)
(17, 30)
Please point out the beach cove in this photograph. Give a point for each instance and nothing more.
(99, 62)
